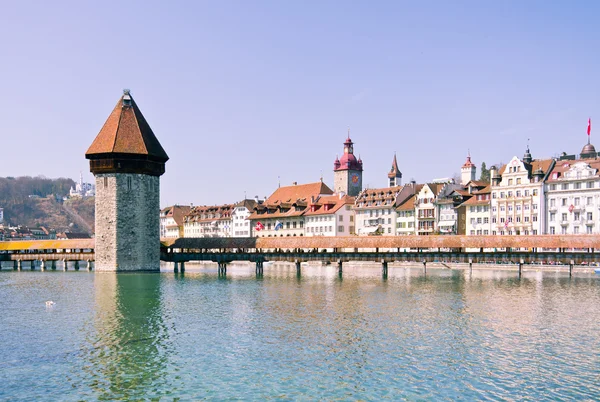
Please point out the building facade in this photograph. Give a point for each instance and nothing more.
(127, 161)
(171, 221)
(208, 221)
(347, 171)
(375, 211)
(240, 217)
(572, 193)
(331, 215)
(518, 201)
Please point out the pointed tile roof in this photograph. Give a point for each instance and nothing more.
(394, 172)
(126, 131)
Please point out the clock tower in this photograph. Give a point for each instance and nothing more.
(347, 171)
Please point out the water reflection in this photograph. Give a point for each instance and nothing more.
(129, 354)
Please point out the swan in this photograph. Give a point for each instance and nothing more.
(50, 303)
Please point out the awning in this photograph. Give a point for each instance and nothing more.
(369, 230)
(447, 223)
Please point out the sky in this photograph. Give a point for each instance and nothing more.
(244, 95)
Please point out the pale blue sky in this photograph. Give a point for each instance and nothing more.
(240, 93)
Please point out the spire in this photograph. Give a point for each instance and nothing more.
(527, 157)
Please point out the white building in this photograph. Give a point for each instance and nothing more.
(478, 213)
(240, 217)
(330, 215)
(82, 189)
(425, 208)
(573, 197)
(405, 215)
(518, 202)
(171, 221)
(375, 211)
(208, 221)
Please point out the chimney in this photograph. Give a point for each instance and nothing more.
(295, 183)
(256, 198)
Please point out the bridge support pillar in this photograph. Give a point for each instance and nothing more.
(571, 268)
(340, 267)
(298, 267)
(384, 267)
(65, 265)
(175, 267)
(76, 265)
(89, 265)
(521, 267)
(43, 265)
(53, 265)
(222, 268)
(425, 266)
(470, 264)
(182, 267)
(259, 268)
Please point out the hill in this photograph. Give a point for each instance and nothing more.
(37, 201)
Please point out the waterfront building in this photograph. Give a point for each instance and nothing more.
(395, 175)
(127, 161)
(478, 213)
(460, 196)
(445, 204)
(82, 189)
(518, 202)
(171, 221)
(282, 213)
(240, 217)
(425, 208)
(208, 221)
(330, 215)
(405, 213)
(572, 193)
(375, 209)
(347, 171)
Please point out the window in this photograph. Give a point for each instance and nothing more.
(518, 219)
(494, 208)
(478, 220)
(518, 208)
(518, 180)
(526, 219)
(552, 216)
(534, 219)
(526, 193)
(552, 186)
(563, 230)
(575, 229)
(589, 230)
(563, 202)
(494, 220)
(576, 201)
(534, 191)
(472, 233)
(486, 220)
(340, 228)
(589, 184)
(494, 195)
(472, 221)
(510, 193)
(518, 193)
(534, 207)
(590, 216)
(552, 230)
(564, 217)
(576, 216)
(389, 230)
(341, 218)
(502, 194)
(510, 181)
(589, 201)
(577, 186)
(552, 202)
(502, 208)
(564, 186)
(510, 208)
(389, 221)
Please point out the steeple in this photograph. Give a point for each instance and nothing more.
(347, 171)
(527, 157)
(395, 176)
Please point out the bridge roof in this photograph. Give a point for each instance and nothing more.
(46, 244)
(540, 241)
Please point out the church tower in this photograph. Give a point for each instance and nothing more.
(395, 175)
(347, 171)
(467, 171)
(127, 161)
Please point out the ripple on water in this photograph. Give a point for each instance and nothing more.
(445, 336)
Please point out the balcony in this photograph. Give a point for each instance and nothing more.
(589, 222)
(552, 209)
(564, 223)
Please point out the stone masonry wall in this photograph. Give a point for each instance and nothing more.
(127, 222)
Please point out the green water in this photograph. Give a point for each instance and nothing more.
(445, 336)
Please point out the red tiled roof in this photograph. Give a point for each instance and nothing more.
(563, 166)
(334, 202)
(126, 131)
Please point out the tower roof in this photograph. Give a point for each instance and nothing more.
(126, 132)
(394, 172)
(468, 162)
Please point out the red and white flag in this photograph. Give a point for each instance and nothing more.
(259, 226)
(589, 126)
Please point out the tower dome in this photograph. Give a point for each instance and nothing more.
(588, 149)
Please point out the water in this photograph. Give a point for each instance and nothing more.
(445, 336)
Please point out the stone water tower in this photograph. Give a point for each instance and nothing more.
(127, 161)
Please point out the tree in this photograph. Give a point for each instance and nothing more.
(485, 173)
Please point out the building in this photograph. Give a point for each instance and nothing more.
(82, 189)
(282, 213)
(425, 208)
(572, 193)
(240, 217)
(478, 213)
(518, 202)
(347, 171)
(127, 161)
(330, 215)
(405, 215)
(171, 221)
(468, 171)
(375, 209)
(208, 221)
(395, 175)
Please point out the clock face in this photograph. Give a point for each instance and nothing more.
(354, 179)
